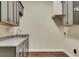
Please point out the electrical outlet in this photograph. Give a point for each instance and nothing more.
(75, 51)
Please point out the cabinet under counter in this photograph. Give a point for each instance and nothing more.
(15, 46)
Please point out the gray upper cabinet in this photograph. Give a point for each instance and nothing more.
(65, 21)
(15, 12)
(70, 12)
(76, 12)
(3, 11)
(11, 11)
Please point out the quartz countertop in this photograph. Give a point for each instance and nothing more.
(13, 40)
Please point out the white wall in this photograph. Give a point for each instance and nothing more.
(38, 23)
(73, 41)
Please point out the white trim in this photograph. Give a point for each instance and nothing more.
(40, 50)
(46, 50)
(69, 54)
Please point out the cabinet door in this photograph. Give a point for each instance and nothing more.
(70, 12)
(65, 19)
(15, 12)
(10, 11)
(76, 12)
(4, 10)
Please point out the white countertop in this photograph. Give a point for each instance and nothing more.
(12, 42)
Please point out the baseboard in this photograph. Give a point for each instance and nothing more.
(69, 54)
(45, 50)
(49, 50)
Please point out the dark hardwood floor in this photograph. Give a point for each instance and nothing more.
(47, 54)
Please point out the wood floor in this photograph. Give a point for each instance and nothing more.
(47, 54)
